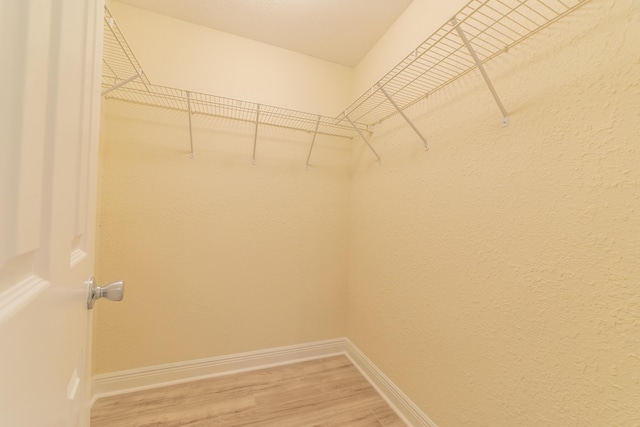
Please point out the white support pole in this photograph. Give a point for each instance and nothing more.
(255, 135)
(363, 137)
(404, 116)
(191, 155)
(474, 55)
(315, 133)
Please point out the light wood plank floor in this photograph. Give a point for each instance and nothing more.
(325, 392)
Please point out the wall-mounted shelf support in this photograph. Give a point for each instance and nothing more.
(485, 76)
(122, 83)
(315, 133)
(363, 137)
(404, 116)
(255, 135)
(191, 155)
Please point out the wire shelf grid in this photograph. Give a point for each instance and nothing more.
(491, 26)
(118, 60)
(120, 64)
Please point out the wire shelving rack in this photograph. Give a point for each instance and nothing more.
(480, 31)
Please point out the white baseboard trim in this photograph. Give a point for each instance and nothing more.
(399, 402)
(175, 373)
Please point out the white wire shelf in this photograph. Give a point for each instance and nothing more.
(479, 32)
(491, 27)
(123, 79)
(227, 108)
(118, 61)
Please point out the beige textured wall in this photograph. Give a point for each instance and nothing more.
(218, 256)
(180, 54)
(495, 278)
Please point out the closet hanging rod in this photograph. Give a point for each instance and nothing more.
(214, 116)
(231, 109)
(404, 116)
(160, 92)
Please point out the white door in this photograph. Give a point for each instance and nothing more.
(49, 117)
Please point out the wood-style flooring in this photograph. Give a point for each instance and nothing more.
(325, 392)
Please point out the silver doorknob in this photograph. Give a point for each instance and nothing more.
(113, 292)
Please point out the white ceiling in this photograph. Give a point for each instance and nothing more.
(340, 31)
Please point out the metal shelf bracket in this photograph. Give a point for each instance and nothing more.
(363, 137)
(122, 82)
(191, 155)
(485, 76)
(490, 28)
(404, 116)
(315, 133)
(255, 135)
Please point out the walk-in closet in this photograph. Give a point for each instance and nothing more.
(453, 215)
